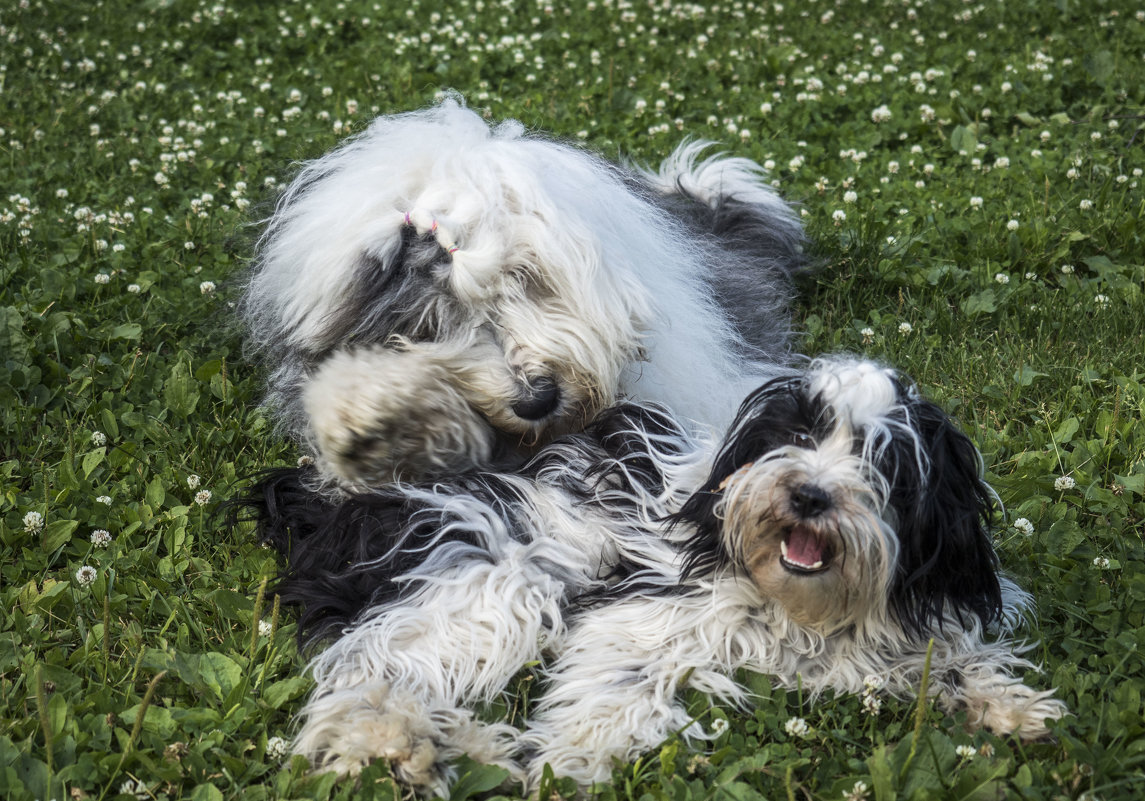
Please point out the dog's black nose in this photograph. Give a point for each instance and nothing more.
(539, 397)
(809, 500)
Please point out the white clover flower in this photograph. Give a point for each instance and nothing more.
(839, 216)
(86, 575)
(1006, 86)
(975, 202)
(265, 627)
(1085, 205)
(203, 497)
(797, 727)
(850, 196)
(135, 788)
(98, 439)
(1100, 562)
(1101, 301)
(719, 726)
(193, 481)
(1024, 526)
(277, 748)
(1001, 278)
(857, 793)
(305, 461)
(100, 538)
(102, 278)
(872, 682)
(207, 287)
(33, 523)
(905, 328)
(1012, 225)
(872, 704)
(1063, 483)
(134, 289)
(868, 335)
(881, 114)
(966, 751)
(104, 499)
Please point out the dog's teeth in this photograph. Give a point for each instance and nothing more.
(817, 565)
(783, 548)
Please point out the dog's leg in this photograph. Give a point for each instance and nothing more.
(378, 413)
(397, 685)
(981, 683)
(975, 677)
(612, 693)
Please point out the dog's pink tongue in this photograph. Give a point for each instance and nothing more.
(803, 547)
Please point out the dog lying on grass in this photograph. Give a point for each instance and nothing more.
(839, 527)
(437, 294)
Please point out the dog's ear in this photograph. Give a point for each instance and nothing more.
(765, 421)
(946, 564)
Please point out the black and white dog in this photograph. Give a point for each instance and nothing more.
(841, 524)
(437, 294)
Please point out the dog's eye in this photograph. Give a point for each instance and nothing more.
(801, 439)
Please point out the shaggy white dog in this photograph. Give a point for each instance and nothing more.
(437, 293)
(840, 527)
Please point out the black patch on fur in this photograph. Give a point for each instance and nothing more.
(776, 414)
(341, 557)
(944, 511)
(404, 295)
(756, 256)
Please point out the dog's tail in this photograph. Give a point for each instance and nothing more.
(729, 197)
(758, 246)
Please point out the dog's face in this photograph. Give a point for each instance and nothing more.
(850, 500)
(516, 349)
(434, 270)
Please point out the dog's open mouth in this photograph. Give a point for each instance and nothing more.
(803, 551)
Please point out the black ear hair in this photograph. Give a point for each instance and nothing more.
(337, 558)
(762, 422)
(946, 560)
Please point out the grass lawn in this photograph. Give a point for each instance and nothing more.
(971, 173)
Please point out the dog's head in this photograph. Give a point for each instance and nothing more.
(850, 500)
(493, 268)
(503, 288)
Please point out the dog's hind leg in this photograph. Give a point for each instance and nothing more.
(612, 690)
(399, 684)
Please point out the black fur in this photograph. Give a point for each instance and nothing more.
(944, 512)
(752, 278)
(341, 557)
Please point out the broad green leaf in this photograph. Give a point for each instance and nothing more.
(57, 533)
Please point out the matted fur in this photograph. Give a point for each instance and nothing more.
(839, 527)
(437, 293)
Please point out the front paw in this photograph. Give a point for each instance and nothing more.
(378, 415)
(346, 730)
(1010, 707)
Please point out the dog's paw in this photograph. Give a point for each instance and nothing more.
(379, 414)
(1011, 707)
(348, 729)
